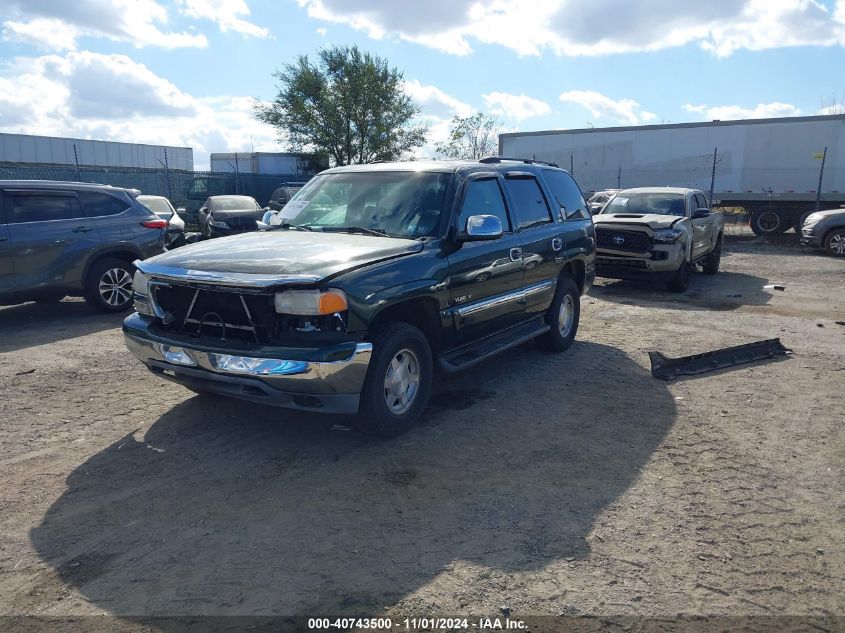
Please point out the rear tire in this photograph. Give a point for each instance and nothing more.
(398, 383)
(108, 287)
(834, 243)
(711, 263)
(563, 316)
(680, 281)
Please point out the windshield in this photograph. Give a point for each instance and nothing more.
(159, 206)
(659, 203)
(233, 203)
(397, 203)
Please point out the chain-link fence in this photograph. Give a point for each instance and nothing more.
(187, 189)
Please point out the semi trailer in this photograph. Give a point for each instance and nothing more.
(778, 169)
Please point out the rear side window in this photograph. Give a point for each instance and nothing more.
(567, 194)
(531, 206)
(96, 203)
(42, 208)
(483, 197)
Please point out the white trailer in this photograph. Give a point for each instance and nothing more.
(276, 163)
(771, 167)
(54, 150)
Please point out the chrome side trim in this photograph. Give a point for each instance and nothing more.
(516, 295)
(248, 280)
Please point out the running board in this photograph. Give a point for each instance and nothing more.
(669, 368)
(465, 357)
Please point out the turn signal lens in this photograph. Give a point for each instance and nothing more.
(310, 302)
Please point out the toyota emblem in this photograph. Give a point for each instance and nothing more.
(619, 239)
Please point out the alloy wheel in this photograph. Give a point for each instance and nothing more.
(115, 287)
(401, 381)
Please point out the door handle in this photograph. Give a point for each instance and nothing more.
(81, 229)
(516, 254)
(557, 244)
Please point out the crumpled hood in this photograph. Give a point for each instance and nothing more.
(284, 252)
(653, 220)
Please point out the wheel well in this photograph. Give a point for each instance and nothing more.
(575, 271)
(124, 254)
(422, 313)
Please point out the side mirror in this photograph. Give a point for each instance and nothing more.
(267, 217)
(700, 213)
(481, 228)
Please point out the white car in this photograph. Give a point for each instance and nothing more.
(162, 207)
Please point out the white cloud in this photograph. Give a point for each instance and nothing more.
(112, 97)
(734, 112)
(625, 111)
(571, 27)
(516, 107)
(435, 102)
(133, 21)
(228, 14)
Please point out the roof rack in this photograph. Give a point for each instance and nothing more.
(527, 161)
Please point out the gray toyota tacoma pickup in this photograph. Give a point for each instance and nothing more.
(377, 275)
(658, 233)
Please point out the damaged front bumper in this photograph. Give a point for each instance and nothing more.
(327, 380)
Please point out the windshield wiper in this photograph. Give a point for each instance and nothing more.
(295, 227)
(357, 229)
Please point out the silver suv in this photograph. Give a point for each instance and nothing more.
(69, 238)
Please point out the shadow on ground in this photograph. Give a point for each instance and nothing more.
(31, 324)
(228, 508)
(723, 291)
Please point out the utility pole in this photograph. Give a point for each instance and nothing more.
(571, 165)
(237, 175)
(713, 176)
(619, 177)
(821, 175)
(76, 160)
(167, 176)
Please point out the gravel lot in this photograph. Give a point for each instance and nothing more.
(572, 484)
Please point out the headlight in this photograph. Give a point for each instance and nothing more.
(218, 224)
(667, 236)
(141, 286)
(812, 219)
(310, 302)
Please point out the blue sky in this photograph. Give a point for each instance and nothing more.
(183, 72)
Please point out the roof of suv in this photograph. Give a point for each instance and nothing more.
(56, 184)
(439, 166)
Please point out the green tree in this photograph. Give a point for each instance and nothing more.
(348, 104)
(471, 137)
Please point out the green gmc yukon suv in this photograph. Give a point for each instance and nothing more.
(373, 277)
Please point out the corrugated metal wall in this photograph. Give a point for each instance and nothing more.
(23, 148)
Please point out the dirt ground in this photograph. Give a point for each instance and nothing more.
(545, 484)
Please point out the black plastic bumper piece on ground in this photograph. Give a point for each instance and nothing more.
(669, 368)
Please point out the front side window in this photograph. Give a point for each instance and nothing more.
(531, 206)
(567, 194)
(42, 208)
(483, 197)
(658, 203)
(96, 203)
(397, 203)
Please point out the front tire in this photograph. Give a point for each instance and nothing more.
(834, 243)
(398, 383)
(680, 281)
(108, 287)
(711, 264)
(563, 316)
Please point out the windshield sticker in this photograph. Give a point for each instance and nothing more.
(293, 208)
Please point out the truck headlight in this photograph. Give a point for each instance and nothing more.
(667, 236)
(141, 293)
(310, 302)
